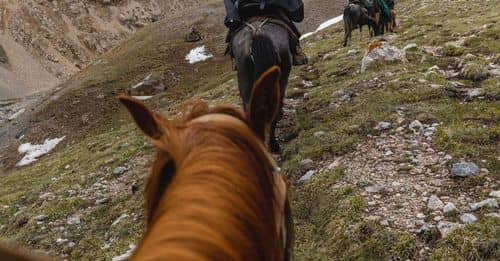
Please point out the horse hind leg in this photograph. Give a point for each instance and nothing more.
(347, 29)
(274, 145)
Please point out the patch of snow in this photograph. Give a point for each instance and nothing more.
(143, 98)
(32, 152)
(126, 255)
(15, 115)
(324, 25)
(198, 54)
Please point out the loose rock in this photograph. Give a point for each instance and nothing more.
(383, 125)
(75, 220)
(450, 209)
(468, 218)
(416, 125)
(375, 188)
(40, 218)
(446, 228)
(435, 203)
(47, 196)
(495, 194)
(464, 169)
(119, 170)
(488, 203)
(307, 176)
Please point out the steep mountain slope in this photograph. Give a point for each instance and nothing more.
(56, 39)
(367, 179)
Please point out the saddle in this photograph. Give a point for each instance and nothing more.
(277, 17)
(252, 14)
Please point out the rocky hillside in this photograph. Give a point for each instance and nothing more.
(52, 40)
(392, 160)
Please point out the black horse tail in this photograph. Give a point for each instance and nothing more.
(264, 54)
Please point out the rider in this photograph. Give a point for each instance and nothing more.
(366, 4)
(289, 11)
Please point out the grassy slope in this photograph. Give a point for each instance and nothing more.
(329, 221)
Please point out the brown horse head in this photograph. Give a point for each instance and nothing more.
(214, 192)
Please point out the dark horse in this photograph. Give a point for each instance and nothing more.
(356, 16)
(257, 47)
(385, 15)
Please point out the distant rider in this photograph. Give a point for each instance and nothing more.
(289, 11)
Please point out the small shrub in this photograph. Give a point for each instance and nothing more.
(474, 71)
(452, 50)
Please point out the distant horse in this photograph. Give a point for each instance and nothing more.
(385, 16)
(215, 192)
(393, 23)
(355, 17)
(261, 44)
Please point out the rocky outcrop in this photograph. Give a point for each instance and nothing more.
(381, 51)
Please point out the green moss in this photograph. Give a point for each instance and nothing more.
(491, 89)
(452, 50)
(330, 223)
(479, 241)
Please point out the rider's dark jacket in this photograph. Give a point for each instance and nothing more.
(294, 9)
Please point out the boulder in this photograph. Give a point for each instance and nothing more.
(381, 51)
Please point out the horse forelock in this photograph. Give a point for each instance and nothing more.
(222, 195)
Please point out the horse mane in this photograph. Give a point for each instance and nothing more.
(210, 195)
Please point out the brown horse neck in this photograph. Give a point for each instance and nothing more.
(219, 205)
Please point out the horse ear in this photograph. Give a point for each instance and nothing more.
(264, 103)
(144, 118)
